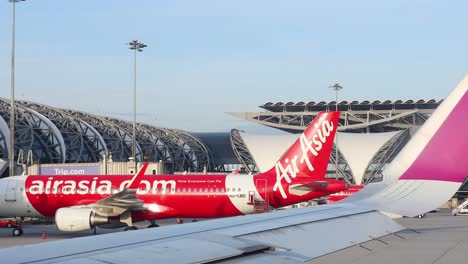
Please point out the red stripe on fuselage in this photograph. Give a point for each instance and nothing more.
(201, 196)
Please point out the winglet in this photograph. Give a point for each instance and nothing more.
(430, 168)
(137, 178)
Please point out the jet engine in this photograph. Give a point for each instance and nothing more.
(78, 219)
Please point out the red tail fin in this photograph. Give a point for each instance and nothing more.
(309, 155)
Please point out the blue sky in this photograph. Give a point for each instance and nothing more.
(205, 58)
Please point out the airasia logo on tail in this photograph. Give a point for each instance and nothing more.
(308, 149)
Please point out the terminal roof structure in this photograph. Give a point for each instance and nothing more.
(358, 117)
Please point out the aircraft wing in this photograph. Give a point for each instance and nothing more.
(295, 236)
(119, 202)
(122, 201)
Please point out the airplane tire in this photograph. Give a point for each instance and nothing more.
(130, 228)
(17, 231)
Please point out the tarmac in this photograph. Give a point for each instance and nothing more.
(438, 238)
(33, 234)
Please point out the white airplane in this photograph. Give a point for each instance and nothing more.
(424, 175)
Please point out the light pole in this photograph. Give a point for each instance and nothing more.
(136, 46)
(336, 87)
(11, 155)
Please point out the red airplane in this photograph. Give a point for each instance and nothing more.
(83, 202)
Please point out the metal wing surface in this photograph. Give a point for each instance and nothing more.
(295, 235)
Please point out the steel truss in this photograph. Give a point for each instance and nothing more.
(82, 142)
(197, 155)
(34, 134)
(4, 142)
(344, 171)
(372, 120)
(241, 151)
(385, 155)
(117, 140)
(53, 135)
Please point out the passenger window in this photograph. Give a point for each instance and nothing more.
(189, 190)
(211, 190)
(200, 190)
(228, 189)
(217, 190)
(206, 190)
(178, 190)
(222, 190)
(183, 190)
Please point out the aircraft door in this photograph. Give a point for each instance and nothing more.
(261, 203)
(10, 193)
(251, 197)
(262, 188)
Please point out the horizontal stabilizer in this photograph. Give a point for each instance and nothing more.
(301, 189)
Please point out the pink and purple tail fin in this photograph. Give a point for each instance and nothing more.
(430, 168)
(439, 150)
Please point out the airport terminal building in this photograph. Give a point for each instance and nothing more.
(370, 134)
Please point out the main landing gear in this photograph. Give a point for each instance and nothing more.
(153, 224)
(129, 228)
(17, 231)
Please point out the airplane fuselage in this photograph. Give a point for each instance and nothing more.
(163, 196)
(81, 202)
